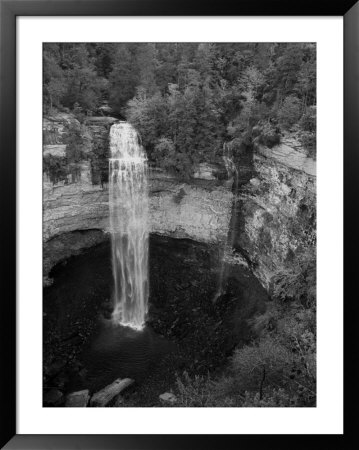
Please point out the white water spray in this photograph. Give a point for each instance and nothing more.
(128, 202)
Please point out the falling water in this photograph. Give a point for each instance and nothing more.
(128, 226)
(231, 172)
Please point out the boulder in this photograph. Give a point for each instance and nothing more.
(53, 397)
(103, 397)
(78, 399)
(168, 398)
(58, 150)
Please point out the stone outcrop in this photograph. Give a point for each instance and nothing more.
(168, 398)
(189, 211)
(58, 150)
(276, 214)
(176, 209)
(71, 206)
(199, 210)
(272, 221)
(64, 245)
(78, 399)
(54, 127)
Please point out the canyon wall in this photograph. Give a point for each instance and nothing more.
(272, 222)
(176, 209)
(199, 210)
(276, 213)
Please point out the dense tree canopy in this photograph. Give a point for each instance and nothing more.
(188, 99)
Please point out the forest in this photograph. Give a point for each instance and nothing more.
(189, 102)
(189, 99)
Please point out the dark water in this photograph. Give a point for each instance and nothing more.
(77, 332)
(121, 352)
(185, 331)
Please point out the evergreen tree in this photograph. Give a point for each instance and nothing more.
(54, 86)
(124, 77)
(147, 62)
(188, 99)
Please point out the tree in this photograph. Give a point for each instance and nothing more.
(123, 78)
(290, 111)
(147, 62)
(167, 65)
(196, 96)
(103, 55)
(54, 86)
(306, 82)
(85, 87)
(149, 116)
(70, 77)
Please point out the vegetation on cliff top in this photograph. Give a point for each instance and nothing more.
(188, 99)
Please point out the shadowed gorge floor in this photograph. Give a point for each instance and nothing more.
(185, 331)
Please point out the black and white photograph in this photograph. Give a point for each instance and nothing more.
(179, 224)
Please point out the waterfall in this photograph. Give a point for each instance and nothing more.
(232, 171)
(128, 200)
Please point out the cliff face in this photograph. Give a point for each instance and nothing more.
(176, 209)
(77, 205)
(276, 213)
(199, 210)
(272, 221)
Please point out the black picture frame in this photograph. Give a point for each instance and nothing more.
(9, 10)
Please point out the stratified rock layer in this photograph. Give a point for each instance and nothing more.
(271, 223)
(200, 210)
(277, 211)
(197, 213)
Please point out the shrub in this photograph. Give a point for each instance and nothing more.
(79, 113)
(99, 161)
(55, 167)
(297, 283)
(165, 153)
(195, 392)
(279, 370)
(200, 391)
(309, 142)
(75, 143)
(289, 112)
(257, 365)
(302, 342)
(266, 134)
(166, 156)
(273, 398)
(308, 119)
